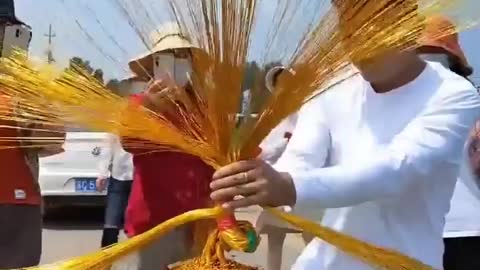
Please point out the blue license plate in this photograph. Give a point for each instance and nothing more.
(85, 185)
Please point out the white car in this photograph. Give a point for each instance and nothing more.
(69, 178)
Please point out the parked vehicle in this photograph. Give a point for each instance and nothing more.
(68, 179)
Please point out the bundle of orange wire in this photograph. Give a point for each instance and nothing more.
(222, 29)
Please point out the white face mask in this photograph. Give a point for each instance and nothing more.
(164, 66)
(437, 58)
(183, 69)
(167, 66)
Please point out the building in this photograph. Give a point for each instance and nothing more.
(14, 34)
(131, 85)
(7, 12)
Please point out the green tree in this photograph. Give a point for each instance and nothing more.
(78, 63)
(98, 74)
(84, 67)
(114, 86)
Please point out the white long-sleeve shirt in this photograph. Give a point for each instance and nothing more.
(276, 142)
(393, 162)
(117, 163)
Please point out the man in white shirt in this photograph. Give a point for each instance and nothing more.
(116, 171)
(393, 138)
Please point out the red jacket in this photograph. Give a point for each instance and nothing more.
(17, 183)
(165, 184)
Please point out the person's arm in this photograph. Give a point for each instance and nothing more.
(38, 143)
(432, 140)
(473, 152)
(104, 165)
(273, 146)
(310, 142)
(467, 174)
(46, 139)
(272, 151)
(55, 133)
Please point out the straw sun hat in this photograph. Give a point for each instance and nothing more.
(167, 37)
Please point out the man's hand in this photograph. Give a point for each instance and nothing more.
(256, 182)
(101, 183)
(50, 139)
(51, 150)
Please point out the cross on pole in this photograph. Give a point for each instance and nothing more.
(50, 36)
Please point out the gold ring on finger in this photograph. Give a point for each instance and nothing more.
(245, 177)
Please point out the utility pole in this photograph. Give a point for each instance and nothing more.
(50, 36)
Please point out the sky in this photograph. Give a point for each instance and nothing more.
(103, 22)
(112, 57)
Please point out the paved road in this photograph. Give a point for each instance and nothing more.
(77, 231)
(71, 232)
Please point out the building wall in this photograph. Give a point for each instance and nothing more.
(15, 36)
(128, 87)
(2, 34)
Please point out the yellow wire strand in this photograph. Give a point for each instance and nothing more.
(106, 257)
(379, 257)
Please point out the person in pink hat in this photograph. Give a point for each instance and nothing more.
(437, 46)
(462, 228)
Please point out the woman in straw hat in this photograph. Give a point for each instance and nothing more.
(462, 229)
(165, 184)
